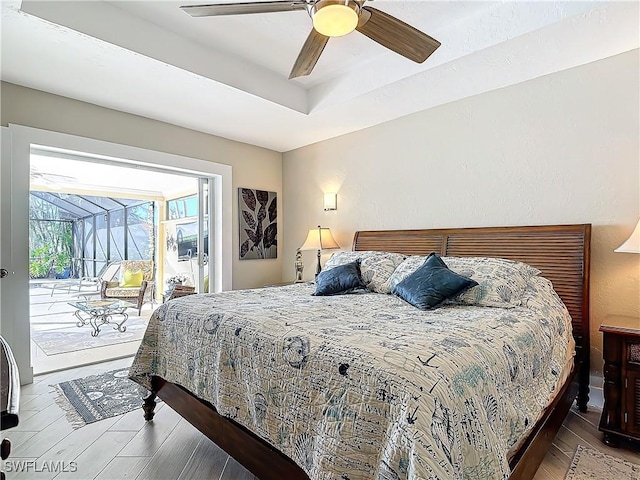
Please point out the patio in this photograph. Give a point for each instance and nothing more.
(73, 238)
(56, 341)
(78, 230)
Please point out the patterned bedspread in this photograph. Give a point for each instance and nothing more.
(365, 386)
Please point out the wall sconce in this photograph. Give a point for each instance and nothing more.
(330, 201)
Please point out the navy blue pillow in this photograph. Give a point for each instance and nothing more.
(341, 279)
(431, 284)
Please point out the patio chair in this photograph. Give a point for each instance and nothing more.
(82, 284)
(107, 274)
(136, 284)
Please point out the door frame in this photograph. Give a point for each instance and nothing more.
(16, 219)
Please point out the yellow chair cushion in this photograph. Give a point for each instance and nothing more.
(131, 278)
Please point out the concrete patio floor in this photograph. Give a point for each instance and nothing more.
(52, 317)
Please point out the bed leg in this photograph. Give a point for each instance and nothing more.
(149, 406)
(583, 390)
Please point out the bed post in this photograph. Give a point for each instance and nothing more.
(149, 405)
(583, 380)
(585, 333)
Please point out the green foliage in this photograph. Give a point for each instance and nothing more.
(50, 241)
(40, 263)
(45, 261)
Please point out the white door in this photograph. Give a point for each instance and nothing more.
(5, 206)
(14, 252)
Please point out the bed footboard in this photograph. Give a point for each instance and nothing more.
(267, 463)
(253, 453)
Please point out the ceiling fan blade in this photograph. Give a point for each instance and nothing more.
(309, 55)
(244, 7)
(396, 35)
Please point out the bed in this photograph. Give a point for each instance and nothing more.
(560, 253)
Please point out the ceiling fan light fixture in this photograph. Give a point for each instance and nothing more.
(333, 18)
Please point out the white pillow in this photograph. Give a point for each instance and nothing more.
(406, 268)
(376, 268)
(501, 282)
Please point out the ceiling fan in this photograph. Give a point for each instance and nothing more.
(334, 18)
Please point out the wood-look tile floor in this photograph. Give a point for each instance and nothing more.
(127, 447)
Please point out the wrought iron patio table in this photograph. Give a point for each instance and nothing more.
(98, 313)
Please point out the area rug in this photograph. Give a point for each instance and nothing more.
(72, 339)
(589, 464)
(90, 399)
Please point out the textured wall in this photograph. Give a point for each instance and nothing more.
(253, 167)
(558, 149)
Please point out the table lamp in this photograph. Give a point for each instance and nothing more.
(631, 244)
(319, 239)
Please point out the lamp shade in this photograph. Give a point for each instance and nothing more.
(319, 239)
(631, 244)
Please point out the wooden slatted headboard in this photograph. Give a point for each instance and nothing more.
(561, 252)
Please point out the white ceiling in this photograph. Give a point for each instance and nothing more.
(228, 75)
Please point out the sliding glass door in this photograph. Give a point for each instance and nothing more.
(213, 216)
(190, 260)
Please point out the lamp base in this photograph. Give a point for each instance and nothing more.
(318, 267)
(299, 267)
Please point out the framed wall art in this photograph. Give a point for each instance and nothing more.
(258, 219)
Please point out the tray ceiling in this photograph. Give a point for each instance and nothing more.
(227, 76)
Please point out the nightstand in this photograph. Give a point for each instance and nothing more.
(621, 412)
(176, 291)
(283, 284)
